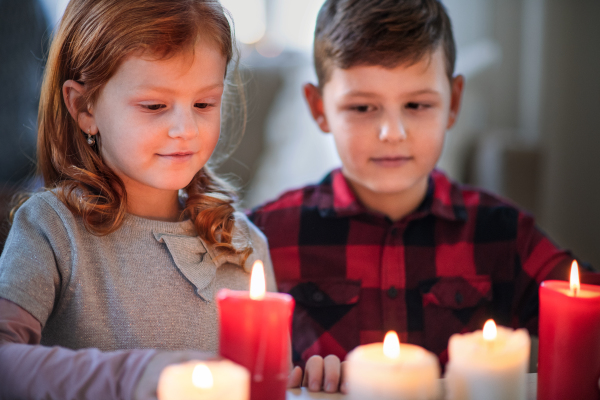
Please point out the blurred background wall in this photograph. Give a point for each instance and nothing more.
(528, 130)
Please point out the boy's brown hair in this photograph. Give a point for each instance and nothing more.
(380, 32)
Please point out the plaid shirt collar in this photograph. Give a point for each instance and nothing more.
(335, 198)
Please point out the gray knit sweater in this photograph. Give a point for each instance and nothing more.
(148, 285)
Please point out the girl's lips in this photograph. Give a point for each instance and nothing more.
(391, 162)
(179, 156)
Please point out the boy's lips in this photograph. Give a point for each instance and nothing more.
(391, 161)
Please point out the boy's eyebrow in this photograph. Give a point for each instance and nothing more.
(358, 93)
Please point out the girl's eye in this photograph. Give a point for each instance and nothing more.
(363, 108)
(201, 105)
(154, 107)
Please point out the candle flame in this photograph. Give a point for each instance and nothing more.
(574, 278)
(489, 330)
(202, 377)
(391, 345)
(257, 281)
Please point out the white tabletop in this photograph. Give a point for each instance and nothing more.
(304, 394)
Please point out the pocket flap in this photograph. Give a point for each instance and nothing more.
(323, 293)
(457, 292)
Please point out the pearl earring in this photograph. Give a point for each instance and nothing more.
(90, 138)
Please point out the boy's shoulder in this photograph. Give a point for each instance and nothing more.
(449, 190)
(487, 216)
(294, 199)
(453, 193)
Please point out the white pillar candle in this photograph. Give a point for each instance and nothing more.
(488, 365)
(206, 380)
(392, 371)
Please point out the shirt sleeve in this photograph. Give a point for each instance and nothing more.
(540, 259)
(29, 370)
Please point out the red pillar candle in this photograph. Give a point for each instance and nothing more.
(255, 333)
(569, 348)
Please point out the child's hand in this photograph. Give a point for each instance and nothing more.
(320, 374)
(147, 384)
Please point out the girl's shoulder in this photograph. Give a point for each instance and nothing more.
(246, 233)
(247, 228)
(44, 205)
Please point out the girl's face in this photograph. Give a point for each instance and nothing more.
(159, 121)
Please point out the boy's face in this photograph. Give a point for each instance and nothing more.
(388, 124)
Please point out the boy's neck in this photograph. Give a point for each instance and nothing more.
(396, 205)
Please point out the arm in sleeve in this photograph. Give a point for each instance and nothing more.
(260, 248)
(29, 370)
(538, 259)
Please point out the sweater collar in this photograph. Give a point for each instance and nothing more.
(198, 261)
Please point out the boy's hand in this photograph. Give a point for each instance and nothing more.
(320, 374)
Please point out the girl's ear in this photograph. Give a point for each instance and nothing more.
(315, 103)
(73, 94)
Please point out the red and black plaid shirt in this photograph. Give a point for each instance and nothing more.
(462, 257)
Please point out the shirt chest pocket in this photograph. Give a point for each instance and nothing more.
(453, 305)
(325, 317)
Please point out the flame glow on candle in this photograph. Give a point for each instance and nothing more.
(202, 377)
(257, 281)
(489, 330)
(391, 345)
(574, 278)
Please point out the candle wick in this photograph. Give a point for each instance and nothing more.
(575, 291)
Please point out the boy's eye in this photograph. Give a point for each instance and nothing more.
(201, 105)
(154, 107)
(416, 106)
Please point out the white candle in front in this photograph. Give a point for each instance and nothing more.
(486, 368)
(204, 380)
(410, 374)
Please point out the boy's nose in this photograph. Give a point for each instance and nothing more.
(392, 131)
(183, 125)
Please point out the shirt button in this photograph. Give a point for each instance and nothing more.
(318, 297)
(459, 298)
(392, 292)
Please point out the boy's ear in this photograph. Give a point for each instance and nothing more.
(315, 103)
(458, 83)
(73, 92)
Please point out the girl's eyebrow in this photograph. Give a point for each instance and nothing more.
(169, 90)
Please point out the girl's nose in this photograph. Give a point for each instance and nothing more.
(392, 130)
(183, 125)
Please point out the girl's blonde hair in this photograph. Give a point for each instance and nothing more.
(93, 39)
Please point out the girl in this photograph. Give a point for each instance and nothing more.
(135, 234)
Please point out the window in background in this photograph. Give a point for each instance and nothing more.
(249, 19)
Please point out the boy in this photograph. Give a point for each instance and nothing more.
(388, 242)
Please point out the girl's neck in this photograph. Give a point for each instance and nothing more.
(159, 205)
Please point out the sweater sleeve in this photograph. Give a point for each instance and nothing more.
(36, 261)
(29, 370)
(260, 249)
